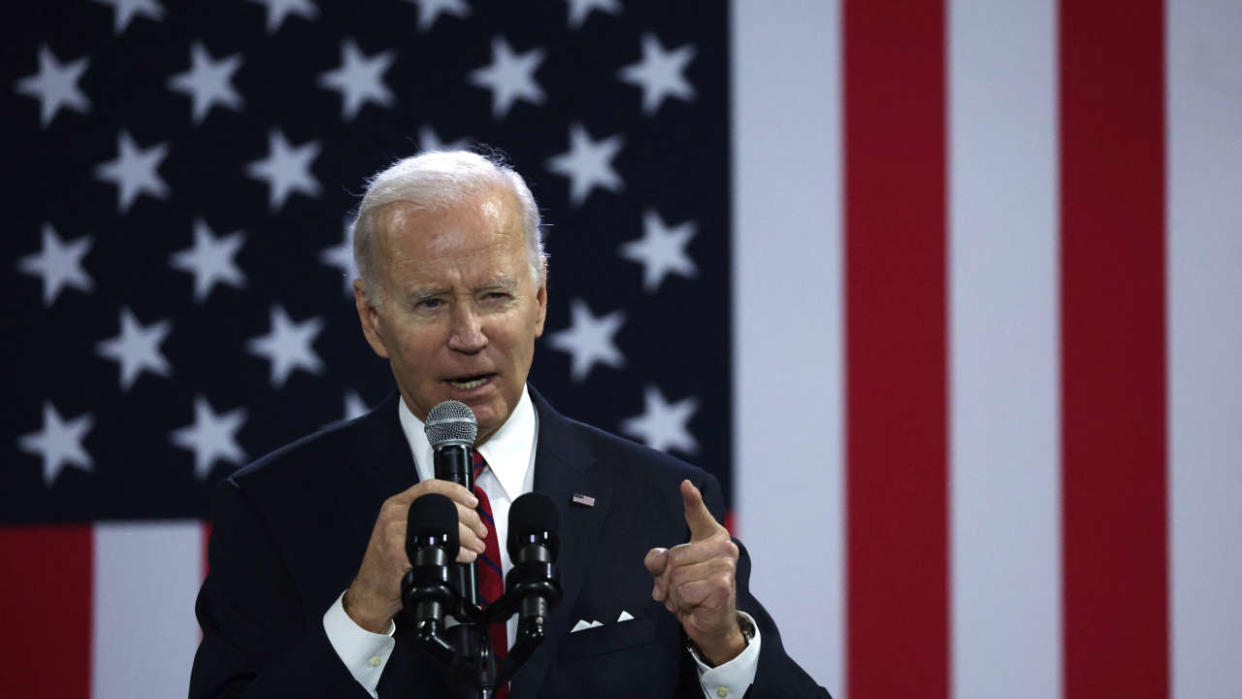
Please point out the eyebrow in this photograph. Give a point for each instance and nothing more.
(499, 285)
(424, 293)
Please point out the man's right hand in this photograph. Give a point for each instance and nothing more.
(374, 598)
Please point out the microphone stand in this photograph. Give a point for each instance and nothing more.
(431, 588)
(463, 650)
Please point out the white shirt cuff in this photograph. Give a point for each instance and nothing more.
(733, 678)
(364, 653)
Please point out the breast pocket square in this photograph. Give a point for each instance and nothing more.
(584, 624)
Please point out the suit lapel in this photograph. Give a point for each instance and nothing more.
(383, 456)
(565, 466)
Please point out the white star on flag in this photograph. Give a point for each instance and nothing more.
(56, 85)
(286, 169)
(660, 73)
(342, 257)
(510, 77)
(359, 79)
(428, 141)
(137, 348)
(59, 443)
(288, 346)
(588, 164)
(208, 82)
(212, 436)
(664, 425)
(661, 251)
(59, 264)
(579, 9)
(134, 171)
(123, 11)
(430, 10)
(589, 340)
(354, 405)
(211, 261)
(278, 10)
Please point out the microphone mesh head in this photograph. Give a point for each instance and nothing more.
(451, 422)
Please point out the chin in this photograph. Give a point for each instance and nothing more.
(491, 415)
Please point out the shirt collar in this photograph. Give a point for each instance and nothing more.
(508, 452)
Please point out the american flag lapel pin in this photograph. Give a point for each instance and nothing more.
(584, 500)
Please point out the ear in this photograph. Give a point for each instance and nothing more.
(541, 299)
(372, 323)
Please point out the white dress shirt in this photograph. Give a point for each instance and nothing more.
(510, 456)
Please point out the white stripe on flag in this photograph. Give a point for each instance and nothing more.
(1004, 376)
(1204, 93)
(146, 579)
(787, 278)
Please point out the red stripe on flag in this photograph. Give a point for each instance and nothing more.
(45, 604)
(896, 352)
(1113, 349)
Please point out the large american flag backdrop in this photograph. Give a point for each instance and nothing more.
(945, 292)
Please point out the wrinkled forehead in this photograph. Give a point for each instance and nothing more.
(410, 235)
(401, 223)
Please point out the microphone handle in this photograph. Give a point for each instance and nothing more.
(455, 462)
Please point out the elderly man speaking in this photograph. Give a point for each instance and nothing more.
(308, 548)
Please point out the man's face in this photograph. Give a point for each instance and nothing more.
(460, 308)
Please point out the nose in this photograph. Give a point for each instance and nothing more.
(466, 334)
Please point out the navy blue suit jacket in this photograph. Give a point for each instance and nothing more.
(289, 532)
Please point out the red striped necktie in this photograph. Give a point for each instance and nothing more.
(491, 578)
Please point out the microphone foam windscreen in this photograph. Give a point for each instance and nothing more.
(432, 515)
(531, 513)
(451, 422)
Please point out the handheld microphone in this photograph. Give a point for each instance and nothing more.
(533, 545)
(452, 428)
(431, 543)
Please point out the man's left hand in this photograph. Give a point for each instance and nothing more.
(695, 581)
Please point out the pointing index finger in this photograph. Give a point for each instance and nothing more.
(702, 524)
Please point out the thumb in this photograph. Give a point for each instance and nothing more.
(698, 517)
(656, 561)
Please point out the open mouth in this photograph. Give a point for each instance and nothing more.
(468, 382)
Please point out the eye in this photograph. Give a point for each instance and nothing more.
(429, 304)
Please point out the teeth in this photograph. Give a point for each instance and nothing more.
(470, 384)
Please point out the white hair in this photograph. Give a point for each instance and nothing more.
(436, 181)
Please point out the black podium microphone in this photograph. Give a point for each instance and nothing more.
(533, 545)
(431, 543)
